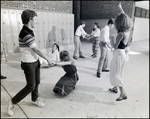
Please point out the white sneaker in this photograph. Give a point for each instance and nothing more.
(10, 108)
(39, 103)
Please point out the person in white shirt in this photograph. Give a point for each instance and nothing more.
(79, 32)
(95, 36)
(53, 56)
(104, 45)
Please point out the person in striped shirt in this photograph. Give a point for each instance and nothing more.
(29, 62)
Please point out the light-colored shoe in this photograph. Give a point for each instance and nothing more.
(10, 108)
(39, 103)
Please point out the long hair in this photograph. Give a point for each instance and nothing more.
(123, 23)
(64, 56)
(110, 21)
(56, 46)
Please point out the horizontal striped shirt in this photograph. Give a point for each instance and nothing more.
(26, 43)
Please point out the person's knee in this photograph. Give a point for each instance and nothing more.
(102, 58)
(30, 87)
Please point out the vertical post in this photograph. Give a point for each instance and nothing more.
(76, 12)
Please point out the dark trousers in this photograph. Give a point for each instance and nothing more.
(32, 74)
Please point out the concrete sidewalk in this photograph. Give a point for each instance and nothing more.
(91, 98)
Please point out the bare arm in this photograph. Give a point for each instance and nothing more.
(35, 49)
(120, 8)
(118, 39)
(65, 63)
(127, 50)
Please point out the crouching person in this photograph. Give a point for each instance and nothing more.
(67, 82)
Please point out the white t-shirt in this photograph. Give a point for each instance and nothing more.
(104, 36)
(54, 57)
(80, 31)
(96, 33)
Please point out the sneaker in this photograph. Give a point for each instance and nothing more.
(3, 77)
(114, 90)
(122, 97)
(75, 57)
(105, 70)
(94, 56)
(81, 56)
(39, 103)
(98, 74)
(10, 108)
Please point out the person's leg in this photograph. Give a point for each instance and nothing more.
(35, 94)
(29, 69)
(76, 43)
(122, 94)
(80, 50)
(96, 47)
(93, 46)
(101, 59)
(106, 61)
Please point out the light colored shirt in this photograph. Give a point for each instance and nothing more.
(26, 43)
(55, 56)
(113, 35)
(27, 53)
(96, 33)
(80, 31)
(104, 36)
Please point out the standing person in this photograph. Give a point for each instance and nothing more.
(123, 25)
(29, 62)
(67, 82)
(104, 45)
(95, 35)
(79, 32)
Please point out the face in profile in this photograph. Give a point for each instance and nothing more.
(33, 22)
(54, 47)
(83, 25)
(94, 26)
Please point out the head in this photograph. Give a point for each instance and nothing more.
(96, 25)
(55, 46)
(110, 23)
(64, 56)
(29, 17)
(123, 23)
(83, 24)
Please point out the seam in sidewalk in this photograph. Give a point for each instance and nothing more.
(17, 104)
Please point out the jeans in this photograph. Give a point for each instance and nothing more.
(32, 74)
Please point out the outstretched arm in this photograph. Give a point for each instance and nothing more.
(35, 49)
(65, 63)
(120, 9)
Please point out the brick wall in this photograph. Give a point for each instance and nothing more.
(54, 6)
(104, 9)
